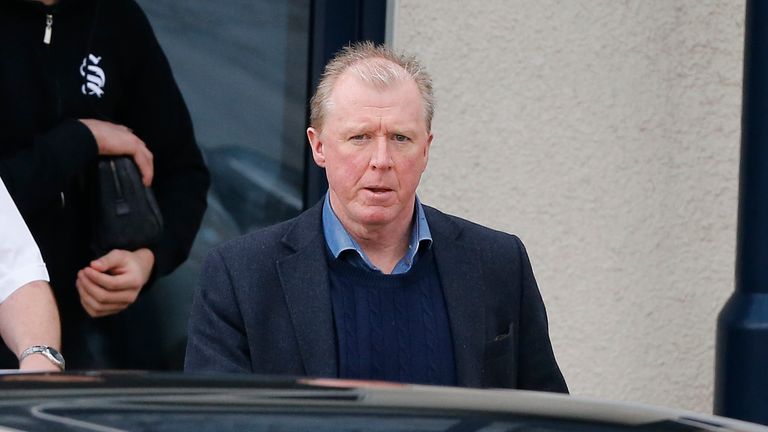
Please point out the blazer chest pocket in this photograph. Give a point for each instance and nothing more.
(502, 345)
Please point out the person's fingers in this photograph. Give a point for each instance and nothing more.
(116, 271)
(136, 148)
(104, 280)
(98, 293)
(91, 307)
(113, 259)
(101, 298)
(115, 139)
(100, 312)
(128, 281)
(145, 162)
(97, 301)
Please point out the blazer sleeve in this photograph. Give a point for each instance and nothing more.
(216, 336)
(538, 369)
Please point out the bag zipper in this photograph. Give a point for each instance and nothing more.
(118, 187)
(121, 205)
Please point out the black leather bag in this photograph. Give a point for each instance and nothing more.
(126, 214)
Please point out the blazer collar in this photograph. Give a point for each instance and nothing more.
(304, 276)
(458, 264)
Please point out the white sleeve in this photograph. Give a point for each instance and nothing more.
(20, 259)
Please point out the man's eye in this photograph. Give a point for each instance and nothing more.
(358, 137)
(401, 138)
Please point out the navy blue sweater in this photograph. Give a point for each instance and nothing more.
(392, 327)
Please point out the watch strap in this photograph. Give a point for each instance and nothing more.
(50, 353)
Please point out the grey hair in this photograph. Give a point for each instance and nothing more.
(377, 65)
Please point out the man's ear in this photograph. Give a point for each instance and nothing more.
(427, 147)
(317, 146)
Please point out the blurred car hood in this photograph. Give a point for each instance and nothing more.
(117, 401)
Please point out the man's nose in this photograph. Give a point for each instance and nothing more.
(381, 158)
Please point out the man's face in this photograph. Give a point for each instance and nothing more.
(374, 145)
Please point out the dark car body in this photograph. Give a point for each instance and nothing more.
(134, 401)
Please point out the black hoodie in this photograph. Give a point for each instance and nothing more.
(89, 59)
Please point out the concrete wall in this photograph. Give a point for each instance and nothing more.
(606, 135)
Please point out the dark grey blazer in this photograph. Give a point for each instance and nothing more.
(264, 305)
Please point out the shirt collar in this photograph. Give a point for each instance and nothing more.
(338, 239)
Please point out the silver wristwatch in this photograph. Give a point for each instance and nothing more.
(51, 354)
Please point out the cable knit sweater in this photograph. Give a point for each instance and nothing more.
(392, 327)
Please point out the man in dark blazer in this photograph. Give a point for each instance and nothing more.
(369, 283)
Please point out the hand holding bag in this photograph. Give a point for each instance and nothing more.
(126, 214)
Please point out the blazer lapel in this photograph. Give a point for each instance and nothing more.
(460, 275)
(304, 276)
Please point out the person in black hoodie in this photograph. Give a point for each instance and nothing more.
(80, 79)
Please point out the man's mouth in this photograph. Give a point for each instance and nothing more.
(378, 190)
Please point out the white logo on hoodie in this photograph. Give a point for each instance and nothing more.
(95, 80)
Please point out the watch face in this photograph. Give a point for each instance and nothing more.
(57, 355)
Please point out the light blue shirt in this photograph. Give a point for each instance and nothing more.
(338, 240)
